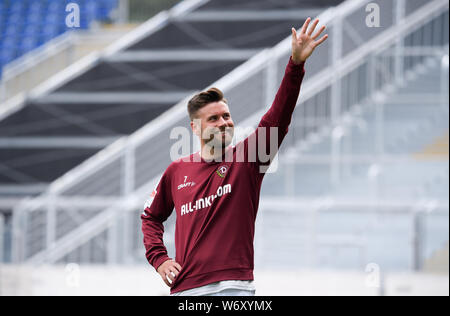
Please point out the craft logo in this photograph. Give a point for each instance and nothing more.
(186, 184)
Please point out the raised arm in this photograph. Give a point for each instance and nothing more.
(280, 113)
(303, 45)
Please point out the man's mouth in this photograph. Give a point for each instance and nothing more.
(222, 134)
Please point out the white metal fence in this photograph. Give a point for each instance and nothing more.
(2, 234)
(91, 213)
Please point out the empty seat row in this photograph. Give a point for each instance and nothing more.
(28, 24)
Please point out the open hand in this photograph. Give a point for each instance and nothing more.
(304, 43)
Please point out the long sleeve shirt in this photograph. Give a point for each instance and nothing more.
(216, 203)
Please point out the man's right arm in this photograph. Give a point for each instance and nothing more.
(156, 211)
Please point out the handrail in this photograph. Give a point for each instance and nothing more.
(2, 232)
(33, 57)
(56, 46)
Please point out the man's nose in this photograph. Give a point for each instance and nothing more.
(222, 122)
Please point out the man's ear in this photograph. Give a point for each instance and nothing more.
(195, 126)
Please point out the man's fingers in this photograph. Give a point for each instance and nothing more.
(171, 276)
(164, 277)
(318, 32)
(174, 271)
(177, 265)
(294, 34)
(305, 25)
(313, 27)
(317, 43)
(168, 277)
(169, 271)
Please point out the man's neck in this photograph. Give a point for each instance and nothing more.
(212, 153)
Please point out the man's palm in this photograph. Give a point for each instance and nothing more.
(304, 43)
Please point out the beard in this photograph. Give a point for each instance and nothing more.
(218, 138)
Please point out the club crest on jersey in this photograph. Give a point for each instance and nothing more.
(221, 171)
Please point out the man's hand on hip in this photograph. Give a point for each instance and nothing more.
(168, 271)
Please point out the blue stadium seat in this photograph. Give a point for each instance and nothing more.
(6, 56)
(35, 6)
(16, 6)
(28, 44)
(55, 7)
(12, 31)
(33, 17)
(31, 31)
(14, 19)
(52, 18)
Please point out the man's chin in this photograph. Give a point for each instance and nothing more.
(226, 141)
(219, 143)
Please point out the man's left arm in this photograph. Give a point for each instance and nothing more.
(303, 45)
(280, 113)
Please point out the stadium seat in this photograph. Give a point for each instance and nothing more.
(32, 23)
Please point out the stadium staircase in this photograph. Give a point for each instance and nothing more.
(410, 175)
(28, 24)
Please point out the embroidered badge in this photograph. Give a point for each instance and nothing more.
(222, 171)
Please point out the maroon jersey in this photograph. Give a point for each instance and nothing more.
(216, 202)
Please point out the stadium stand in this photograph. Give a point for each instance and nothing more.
(122, 93)
(28, 24)
(146, 82)
(412, 122)
(125, 90)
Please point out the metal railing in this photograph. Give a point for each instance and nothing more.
(2, 234)
(29, 70)
(141, 10)
(32, 69)
(46, 231)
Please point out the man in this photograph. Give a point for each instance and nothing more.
(216, 200)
